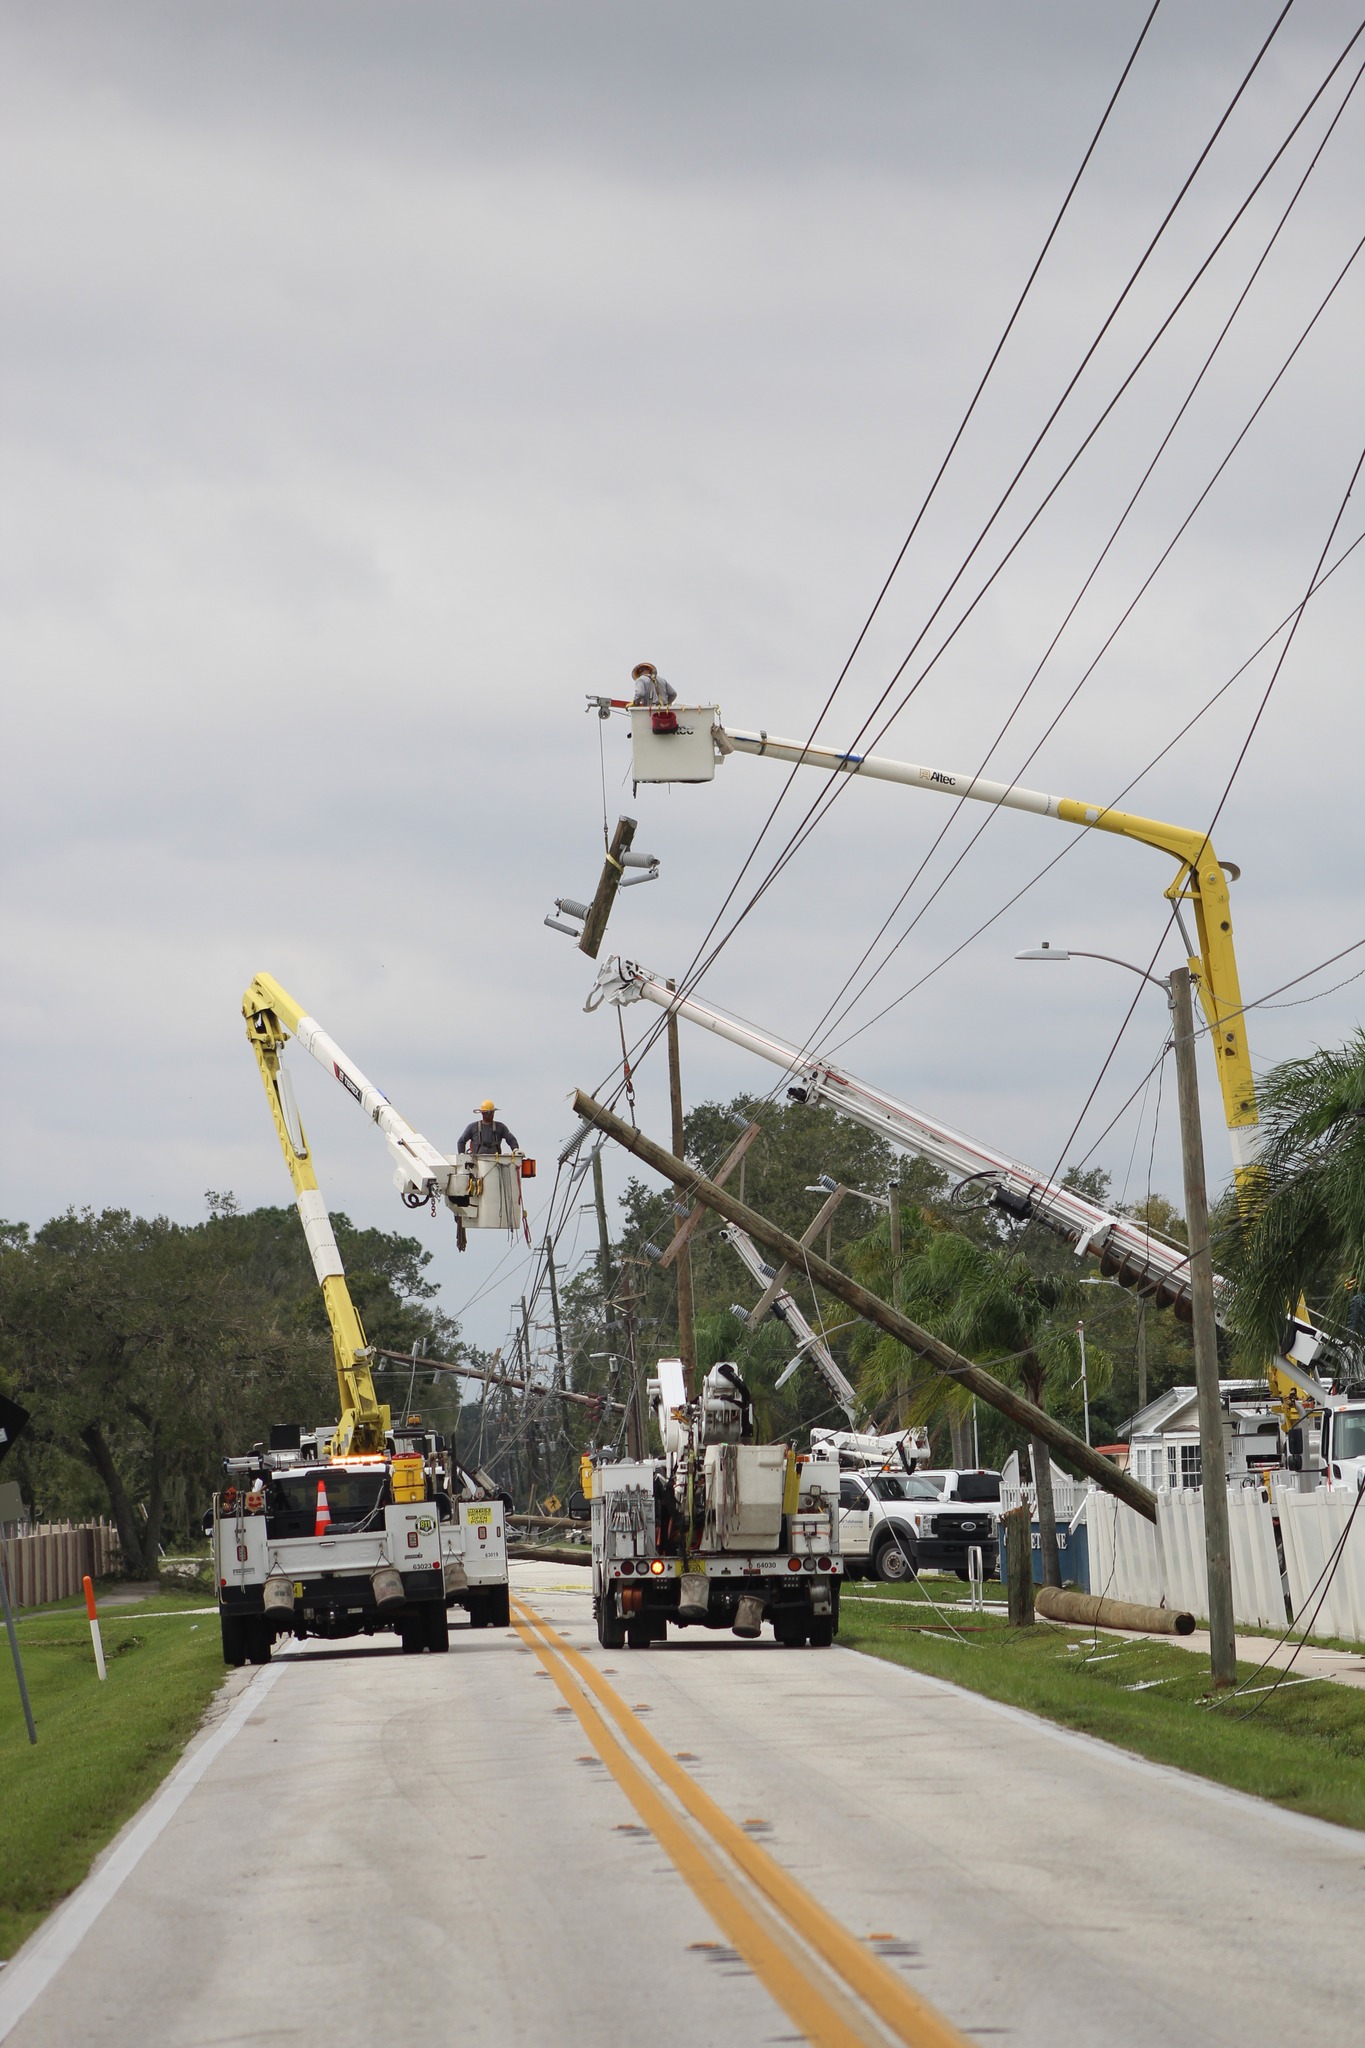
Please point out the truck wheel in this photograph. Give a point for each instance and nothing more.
(611, 1630)
(822, 1631)
(891, 1562)
(438, 1630)
(234, 1639)
(790, 1631)
(412, 1635)
(498, 1607)
(639, 1632)
(479, 1616)
(259, 1640)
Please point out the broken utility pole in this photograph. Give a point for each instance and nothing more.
(873, 1309)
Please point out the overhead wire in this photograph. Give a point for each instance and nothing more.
(814, 1037)
(1252, 730)
(956, 441)
(821, 805)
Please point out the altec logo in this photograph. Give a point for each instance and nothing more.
(347, 1083)
(933, 775)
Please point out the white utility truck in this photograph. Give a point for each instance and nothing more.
(364, 1524)
(895, 1520)
(720, 1532)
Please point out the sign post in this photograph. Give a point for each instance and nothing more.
(13, 1420)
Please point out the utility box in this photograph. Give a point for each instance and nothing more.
(673, 745)
(744, 1488)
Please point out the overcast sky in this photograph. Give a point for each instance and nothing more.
(379, 379)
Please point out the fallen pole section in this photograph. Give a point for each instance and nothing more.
(1092, 1610)
(975, 1378)
(502, 1379)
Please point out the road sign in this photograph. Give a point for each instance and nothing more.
(551, 1503)
(13, 1421)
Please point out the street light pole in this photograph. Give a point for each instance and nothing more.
(1213, 1466)
(1213, 1463)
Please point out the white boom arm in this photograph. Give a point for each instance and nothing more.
(784, 1307)
(1123, 1247)
(482, 1192)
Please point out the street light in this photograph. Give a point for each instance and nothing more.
(1222, 1634)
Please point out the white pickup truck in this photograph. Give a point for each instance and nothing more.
(892, 1525)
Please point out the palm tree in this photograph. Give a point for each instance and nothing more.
(1298, 1227)
(987, 1302)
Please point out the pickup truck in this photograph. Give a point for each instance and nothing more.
(892, 1525)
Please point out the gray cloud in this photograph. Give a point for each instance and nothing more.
(378, 380)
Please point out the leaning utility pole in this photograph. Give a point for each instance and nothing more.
(1213, 1464)
(975, 1378)
(687, 1334)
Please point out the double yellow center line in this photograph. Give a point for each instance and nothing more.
(838, 1992)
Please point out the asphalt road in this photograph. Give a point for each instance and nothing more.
(532, 1841)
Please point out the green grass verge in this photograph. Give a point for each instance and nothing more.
(101, 1750)
(1302, 1746)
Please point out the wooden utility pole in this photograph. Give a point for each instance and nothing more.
(687, 1335)
(1141, 1355)
(604, 1272)
(636, 1438)
(1213, 1464)
(599, 910)
(1016, 1529)
(554, 1311)
(975, 1378)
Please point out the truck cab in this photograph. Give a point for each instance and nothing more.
(1342, 1448)
(893, 1525)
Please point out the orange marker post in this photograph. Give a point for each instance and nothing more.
(94, 1627)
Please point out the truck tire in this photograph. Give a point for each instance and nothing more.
(821, 1631)
(479, 1617)
(639, 1632)
(894, 1561)
(438, 1629)
(498, 1607)
(790, 1631)
(234, 1639)
(412, 1634)
(611, 1629)
(259, 1639)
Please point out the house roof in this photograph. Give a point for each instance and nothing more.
(1161, 1413)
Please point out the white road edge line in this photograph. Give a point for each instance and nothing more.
(45, 1953)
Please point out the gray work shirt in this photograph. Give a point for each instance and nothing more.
(482, 1137)
(654, 690)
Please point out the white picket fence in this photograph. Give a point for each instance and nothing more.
(1314, 1526)
(1163, 1564)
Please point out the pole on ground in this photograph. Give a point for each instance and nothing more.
(1213, 1465)
(1016, 1531)
(90, 1609)
(14, 1648)
(687, 1335)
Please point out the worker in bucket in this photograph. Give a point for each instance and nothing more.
(651, 688)
(486, 1133)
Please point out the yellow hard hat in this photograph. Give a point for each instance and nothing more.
(487, 1108)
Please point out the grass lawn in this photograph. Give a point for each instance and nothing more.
(1302, 1746)
(102, 1749)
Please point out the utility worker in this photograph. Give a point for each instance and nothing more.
(650, 687)
(485, 1134)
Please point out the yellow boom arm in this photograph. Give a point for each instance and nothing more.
(271, 1015)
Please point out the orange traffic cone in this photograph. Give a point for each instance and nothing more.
(324, 1521)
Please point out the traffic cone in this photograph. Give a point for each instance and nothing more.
(324, 1521)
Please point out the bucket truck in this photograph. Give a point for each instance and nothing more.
(699, 741)
(364, 1525)
(719, 1532)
